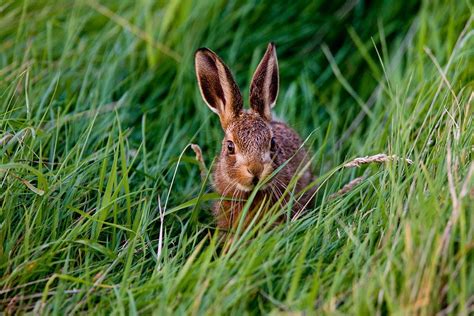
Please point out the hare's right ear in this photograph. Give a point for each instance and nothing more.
(265, 82)
(218, 87)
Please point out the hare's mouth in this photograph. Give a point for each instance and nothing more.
(245, 188)
(250, 187)
(247, 179)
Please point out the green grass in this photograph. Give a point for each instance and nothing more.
(98, 104)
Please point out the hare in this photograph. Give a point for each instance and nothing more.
(254, 145)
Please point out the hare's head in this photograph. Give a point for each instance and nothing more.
(248, 145)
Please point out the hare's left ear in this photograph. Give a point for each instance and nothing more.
(218, 88)
(265, 82)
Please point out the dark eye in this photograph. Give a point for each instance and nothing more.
(272, 144)
(230, 147)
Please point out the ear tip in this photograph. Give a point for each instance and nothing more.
(202, 50)
(271, 49)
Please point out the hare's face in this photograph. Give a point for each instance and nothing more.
(247, 150)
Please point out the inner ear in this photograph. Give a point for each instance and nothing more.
(217, 85)
(265, 84)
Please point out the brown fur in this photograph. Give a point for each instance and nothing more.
(251, 157)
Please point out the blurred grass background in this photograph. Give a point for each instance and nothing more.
(98, 103)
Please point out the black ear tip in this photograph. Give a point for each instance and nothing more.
(203, 50)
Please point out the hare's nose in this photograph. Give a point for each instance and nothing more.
(256, 171)
(255, 180)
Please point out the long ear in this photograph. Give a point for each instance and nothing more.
(265, 82)
(218, 87)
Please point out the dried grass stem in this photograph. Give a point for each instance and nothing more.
(379, 158)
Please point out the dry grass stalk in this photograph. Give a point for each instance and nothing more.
(5, 139)
(25, 182)
(348, 187)
(202, 165)
(379, 158)
(357, 162)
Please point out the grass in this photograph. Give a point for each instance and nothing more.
(102, 208)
